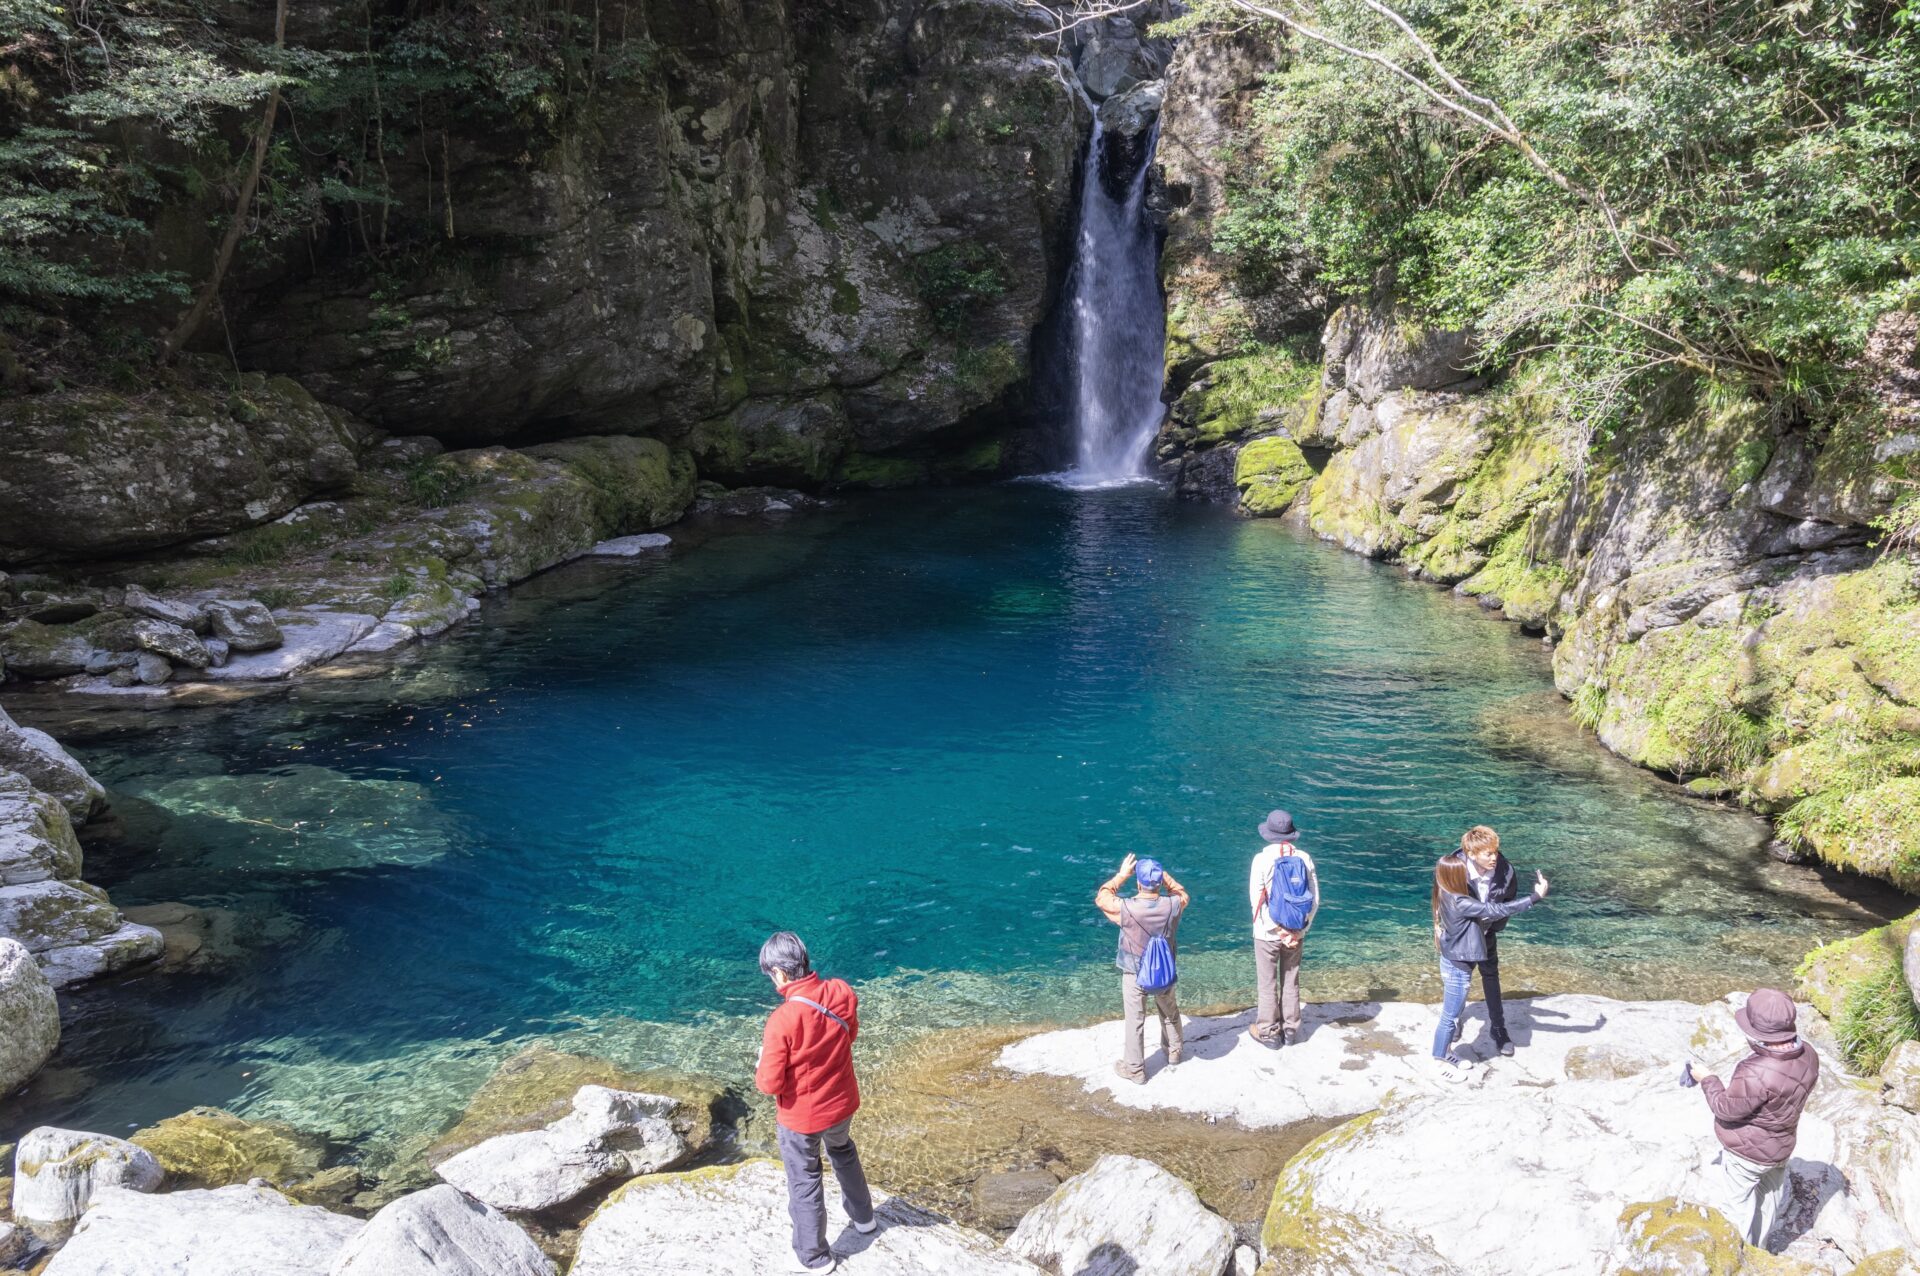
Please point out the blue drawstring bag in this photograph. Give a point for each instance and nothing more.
(1155, 971)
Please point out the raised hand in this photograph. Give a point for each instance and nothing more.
(1540, 884)
(1126, 865)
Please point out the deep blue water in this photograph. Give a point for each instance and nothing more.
(920, 730)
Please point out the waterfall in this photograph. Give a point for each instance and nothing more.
(1119, 327)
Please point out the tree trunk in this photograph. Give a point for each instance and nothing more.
(190, 323)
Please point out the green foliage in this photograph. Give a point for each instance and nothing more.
(434, 482)
(1745, 181)
(1875, 1016)
(957, 281)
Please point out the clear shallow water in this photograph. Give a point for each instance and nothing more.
(920, 730)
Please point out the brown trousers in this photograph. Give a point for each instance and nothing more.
(1278, 970)
(1135, 1000)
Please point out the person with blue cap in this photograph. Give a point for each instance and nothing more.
(1150, 914)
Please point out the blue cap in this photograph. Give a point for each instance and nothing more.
(1148, 872)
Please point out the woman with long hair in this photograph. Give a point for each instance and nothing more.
(1460, 919)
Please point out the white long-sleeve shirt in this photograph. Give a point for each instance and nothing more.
(1261, 876)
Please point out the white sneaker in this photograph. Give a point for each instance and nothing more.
(867, 1228)
(1452, 1069)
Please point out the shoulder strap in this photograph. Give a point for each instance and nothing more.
(808, 1001)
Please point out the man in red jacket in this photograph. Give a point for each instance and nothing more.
(806, 1064)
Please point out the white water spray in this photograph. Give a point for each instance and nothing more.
(1119, 326)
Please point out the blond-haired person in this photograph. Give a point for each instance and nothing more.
(1468, 910)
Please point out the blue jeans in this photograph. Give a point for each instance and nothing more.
(1456, 977)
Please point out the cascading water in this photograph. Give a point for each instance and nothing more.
(1119, 325)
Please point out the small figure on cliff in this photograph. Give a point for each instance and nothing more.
(806, 1064)
(1492, 880)
(1284, 890)
(1462, 916)
(1146, 916)
(1756, 1114)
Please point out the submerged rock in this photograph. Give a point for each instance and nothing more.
(609, 1134)
(230, 1231)
(1122, 1217)
(733, 1219)
(631, 546)
(29, 1017)
(209, 1147)
(57, 1172)
(440, 1232)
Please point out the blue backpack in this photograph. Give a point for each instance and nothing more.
(1155, 971)
(1290, 893)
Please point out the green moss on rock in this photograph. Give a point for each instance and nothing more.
(1271, 387)
(1860, 986)
(1269, 473)
(863, 470)
(638, 484)
(209, 1147)
(1673, 1238)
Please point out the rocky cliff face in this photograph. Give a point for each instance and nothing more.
(1720, 605)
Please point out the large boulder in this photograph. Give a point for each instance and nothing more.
(440, 1232)
(29, 1017)
(1121, 1217)
(37, 841)
(34, 649)
(244, 624)
(638, 484)
(74, 931)
(609, 1134)
(87, 473)
(732, 1219)
(49, 768)
(209, 1147)
(58, 1172)
(230, 1231)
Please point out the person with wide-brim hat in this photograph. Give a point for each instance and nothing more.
(1756, 1112)
(1282, 887)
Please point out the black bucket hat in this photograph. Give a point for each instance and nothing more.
(1278, 827)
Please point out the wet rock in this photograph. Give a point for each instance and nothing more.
(639, 484)
(440, 1232)
(230, 1231)
(1112, 58)
(631, 546)
(310, 636)
(1001, 1200)
(1124, 1216)
(58, 1172)
(13, 1244)
(731, 1219)
(243, 624)
(609, 1134)
(1133, 112)
(37, 842)
(88, 473)
(29, 1017)
(150, 670)
(195, 938)
(209, 1147)
(49, 768)
(173, 611)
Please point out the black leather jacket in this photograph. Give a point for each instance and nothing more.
(1465, 922)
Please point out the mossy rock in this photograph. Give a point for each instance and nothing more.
(1860, 985)
(761, 441)
(1871, 828)
(1298, 1235)
(1672, 1238)
(638, 484)
(980, 460)
(880, 472)
(536, 1087)
(210, 1147)
(1233, 398)
(1270, 473)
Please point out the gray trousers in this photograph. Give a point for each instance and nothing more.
(1277, 971)
(806, 1203)
(1134, 1059)
(1753, 1196)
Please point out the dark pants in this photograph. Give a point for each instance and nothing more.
(1490, 989)
(806, 1205)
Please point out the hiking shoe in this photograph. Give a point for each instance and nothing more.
(1138, 1078)
(1506, 1048)
(1271, 1040)
(794, 1264)
(1174, 1057)
(1289, 1036)
(867, 1228)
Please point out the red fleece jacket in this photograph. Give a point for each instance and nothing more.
(806, 1059)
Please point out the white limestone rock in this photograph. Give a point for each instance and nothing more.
(1124, 1216)
(172, 610)
(732, 1219)
(1351, 1054)
(13, 1244)
(57, 1173)
(440, 1232)
(631, 546)
(229, 1231)
(37, 841)
(29, 1017)
(609, 1134)
(309, 637)
(49, 768)
(74, 931)
(244, 624)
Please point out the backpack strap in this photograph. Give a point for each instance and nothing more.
(808, 1001)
